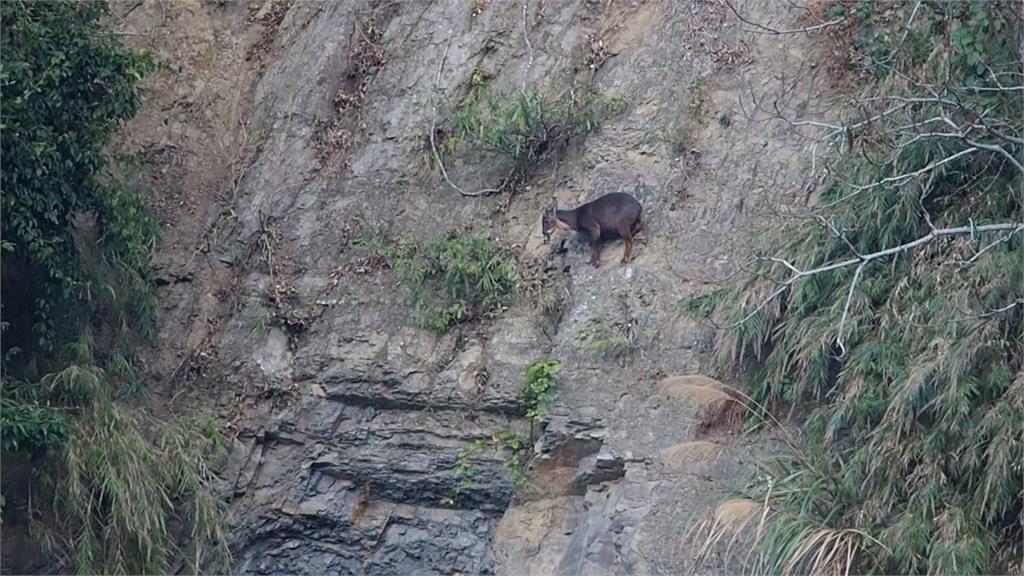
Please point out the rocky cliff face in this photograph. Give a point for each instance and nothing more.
(279, 131)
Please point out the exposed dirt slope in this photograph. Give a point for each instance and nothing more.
(279, 131)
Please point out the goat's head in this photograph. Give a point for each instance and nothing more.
(549, 220)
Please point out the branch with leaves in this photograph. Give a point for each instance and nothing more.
(891, 309)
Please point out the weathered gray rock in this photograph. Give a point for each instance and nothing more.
(350, 426)
(595, 469)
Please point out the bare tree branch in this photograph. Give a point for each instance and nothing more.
(846, 309)
(902, 177)
(990, 147)
(862, 260)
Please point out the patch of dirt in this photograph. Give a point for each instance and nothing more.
(194, 142)
(192, 133)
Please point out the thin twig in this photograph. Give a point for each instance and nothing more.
(1016, 302)
(846, 309)
(433, 126)
(835, 232)
(529, 48)
(768, 30)
(978, 254)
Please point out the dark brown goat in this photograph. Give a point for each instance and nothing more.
(615, 215)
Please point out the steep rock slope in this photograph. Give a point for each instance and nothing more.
(281, 131)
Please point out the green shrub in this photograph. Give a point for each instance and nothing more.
(453, 279)
(30, 427)
(910, 363)
(538, 388)
(526, 126)
(110, 493)
(67, 87)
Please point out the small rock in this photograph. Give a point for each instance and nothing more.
(596, 469)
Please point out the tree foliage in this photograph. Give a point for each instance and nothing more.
(910, 363)
(116, 485)
(67, 88)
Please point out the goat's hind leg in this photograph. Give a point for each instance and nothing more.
(637, 226)
(627, 236)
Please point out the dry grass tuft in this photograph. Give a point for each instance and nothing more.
(731, 517)
(734, 514)
(697, 451)
(812, 550)
(825, 551)
(717, 405)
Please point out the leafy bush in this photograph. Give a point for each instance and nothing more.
(27, 426)
(538, 388)
(67, 87)
(453, 279)
(913, 357)
(119, 488)
(526, 126)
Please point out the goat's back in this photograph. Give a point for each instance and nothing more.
(612, 210)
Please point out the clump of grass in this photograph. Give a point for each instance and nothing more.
(613, 336)
(453, 279)
(730, 519)
(120, 488)
(261, 319)
(693, 451)
(122, 477)
(717, 405)
(525, 126)
(604, 338)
